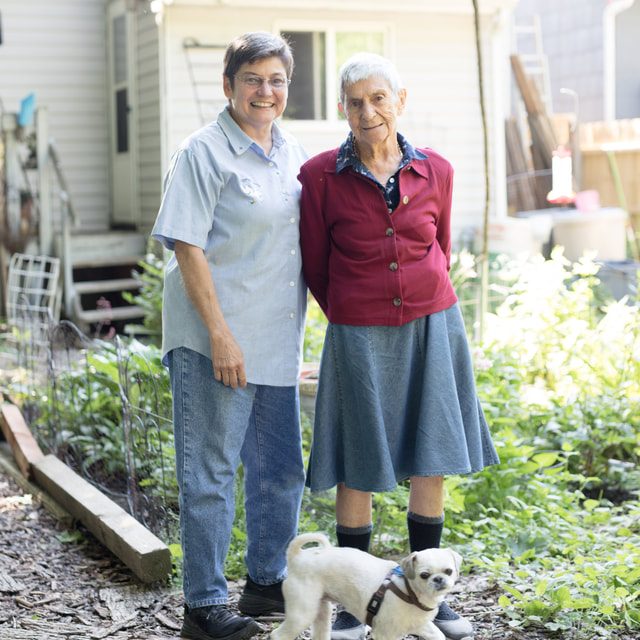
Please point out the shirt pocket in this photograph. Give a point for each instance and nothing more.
(251, 190)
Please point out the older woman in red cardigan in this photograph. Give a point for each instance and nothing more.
(396, 397)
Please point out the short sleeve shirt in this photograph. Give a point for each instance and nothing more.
(222, 193)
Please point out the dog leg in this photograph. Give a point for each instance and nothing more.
(321, 627)
(291, 628)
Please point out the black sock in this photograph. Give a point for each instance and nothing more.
(424, 531)
(354, 537)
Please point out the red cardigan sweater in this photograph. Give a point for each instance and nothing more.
(365, 265)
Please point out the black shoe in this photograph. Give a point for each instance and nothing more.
(216, 622)
(261, 600)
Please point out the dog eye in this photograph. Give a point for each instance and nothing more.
(425, 576)
(448, 571)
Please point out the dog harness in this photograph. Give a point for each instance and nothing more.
(388, 584)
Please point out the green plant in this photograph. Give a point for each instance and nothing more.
(315, 328)
(556, 524)
(149, 297)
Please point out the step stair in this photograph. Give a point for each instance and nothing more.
(99, 270)
(114, 314)
(104, 286)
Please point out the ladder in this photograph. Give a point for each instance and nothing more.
(205, 63)
(527, 43)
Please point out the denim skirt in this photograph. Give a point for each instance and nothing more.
(396, 402)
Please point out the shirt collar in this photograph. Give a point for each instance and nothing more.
(240, 142)
(347, 156)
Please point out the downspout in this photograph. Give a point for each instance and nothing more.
(157, 7)
(611, 11)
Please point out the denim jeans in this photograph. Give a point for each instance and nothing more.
(215, 428)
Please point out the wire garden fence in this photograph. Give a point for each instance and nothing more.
(104, 407)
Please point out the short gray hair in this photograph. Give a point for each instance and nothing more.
(362, 66)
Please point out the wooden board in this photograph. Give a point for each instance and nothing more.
(26, 451)
(145, 554)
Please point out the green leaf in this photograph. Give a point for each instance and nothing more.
(541, 587)
(563, 597)
(175, 550)
(590, 505)
(513, 591)
(545, 459)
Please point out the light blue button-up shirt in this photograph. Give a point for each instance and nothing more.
(223, 194)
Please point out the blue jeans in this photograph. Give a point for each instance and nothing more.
(215, 428)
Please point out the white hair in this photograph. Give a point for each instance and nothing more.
(362, 66)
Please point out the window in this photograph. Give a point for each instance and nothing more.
(313, 93)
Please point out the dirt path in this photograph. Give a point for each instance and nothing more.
(63, 585)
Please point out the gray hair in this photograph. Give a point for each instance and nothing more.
(362, 66)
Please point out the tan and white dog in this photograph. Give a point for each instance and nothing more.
(320, 575)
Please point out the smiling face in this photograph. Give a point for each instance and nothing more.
(254, 102)
(372, 110)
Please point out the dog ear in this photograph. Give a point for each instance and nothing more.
(457, 559)
(408, 566)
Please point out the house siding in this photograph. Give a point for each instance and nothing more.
(436, 57)
(57, 50)
(628, 63)
(573, 41)
(148, 125)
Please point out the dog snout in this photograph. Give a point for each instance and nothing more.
(439, 582)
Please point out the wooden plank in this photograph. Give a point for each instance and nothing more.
(543, 138)
(528, 90)
(111, 314)
(104, 286)
(145, 554)
(26, 451)
(522, 189)
(8, 467)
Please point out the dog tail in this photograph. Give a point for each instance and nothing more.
(295, 546)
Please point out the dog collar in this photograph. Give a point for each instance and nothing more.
(389, 585)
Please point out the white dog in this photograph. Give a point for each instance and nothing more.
(323, 574)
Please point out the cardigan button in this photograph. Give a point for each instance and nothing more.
(397, 302)
(393, 266)
(405, 200)
(389, 231)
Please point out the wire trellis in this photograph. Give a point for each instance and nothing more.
(104, 409)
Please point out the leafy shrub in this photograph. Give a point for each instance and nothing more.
(149, 297)
(556, 524)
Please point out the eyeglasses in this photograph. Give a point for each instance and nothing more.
(255, 82)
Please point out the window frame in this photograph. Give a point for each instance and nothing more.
(331, 29)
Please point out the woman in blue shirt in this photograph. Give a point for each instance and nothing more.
(233, 318)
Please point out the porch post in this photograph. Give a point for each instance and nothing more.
(44, 183)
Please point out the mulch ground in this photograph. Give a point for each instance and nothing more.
(61, 585)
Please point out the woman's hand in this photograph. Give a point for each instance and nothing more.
(226, 355)
(227, 359)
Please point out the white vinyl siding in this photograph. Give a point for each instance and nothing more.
(149, 134)
(436, 57)
(57, 50)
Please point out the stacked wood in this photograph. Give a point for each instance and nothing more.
(543, 139)
(521, 186)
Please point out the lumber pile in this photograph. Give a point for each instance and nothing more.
(533, 169)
